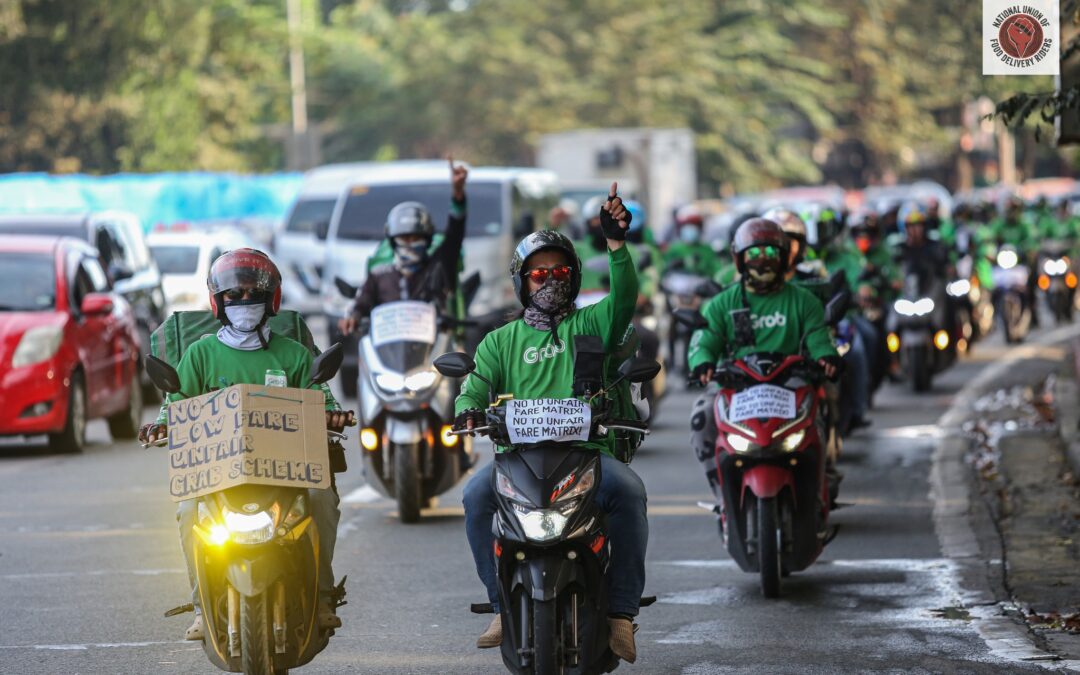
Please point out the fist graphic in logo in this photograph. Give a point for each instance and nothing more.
(1020, 36)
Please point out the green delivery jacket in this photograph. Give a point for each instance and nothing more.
(527, 363)
(780, 321)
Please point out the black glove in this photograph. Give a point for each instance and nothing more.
(461, 422)
(836, 362)
(700, 370)
(610, 226)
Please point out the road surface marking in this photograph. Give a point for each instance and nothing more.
(95, 645)
(365, 494)
(91, 573)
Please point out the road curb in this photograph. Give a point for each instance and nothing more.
(950, 493)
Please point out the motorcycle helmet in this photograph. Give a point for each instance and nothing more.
(911, 213)
(864, 228)
(823, 226)
(635, 233)
(409, 218)
(758, 232)
(795, 229)
(591, 208)
(243, 267)
(541, 241)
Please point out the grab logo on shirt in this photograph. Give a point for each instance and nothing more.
(774, 320)
(533, 354)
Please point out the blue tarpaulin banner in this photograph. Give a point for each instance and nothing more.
(162, 198)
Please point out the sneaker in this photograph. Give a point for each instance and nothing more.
(195, 631)
(328, 618)
(621, 638)
(492, 637)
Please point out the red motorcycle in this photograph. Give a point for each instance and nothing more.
(771, 457)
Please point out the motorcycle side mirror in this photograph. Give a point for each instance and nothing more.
(162, 375)
(345, 288)
(690, 318)
(837, 307)
(326, 365)
(639, 369)
(455, 364)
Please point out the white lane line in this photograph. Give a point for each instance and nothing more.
(90, 573)
(365, 494)
(891, 564)
(95, 645)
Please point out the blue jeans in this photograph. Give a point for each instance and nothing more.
(323, 507)
(621, 495)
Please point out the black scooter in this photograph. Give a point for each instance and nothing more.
(552, 550)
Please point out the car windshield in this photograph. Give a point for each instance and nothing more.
(364, 215)
(308, 213)
(176, 258)
(29, 282)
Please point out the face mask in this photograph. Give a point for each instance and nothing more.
(690, 234)
(763, 276)
(245, 318)
(552, 297)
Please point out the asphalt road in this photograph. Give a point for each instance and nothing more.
(89, 561)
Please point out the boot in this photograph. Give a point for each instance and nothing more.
(328, 618)
(492, 637)
(621, 638)
(195, 631)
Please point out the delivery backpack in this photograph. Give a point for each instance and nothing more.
(182, 329)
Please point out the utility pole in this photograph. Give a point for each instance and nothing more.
(301, 142)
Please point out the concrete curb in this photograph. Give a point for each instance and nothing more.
(951, 496)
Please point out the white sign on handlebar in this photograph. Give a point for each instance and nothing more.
(406, 321)
(548, 419)
(763, 400)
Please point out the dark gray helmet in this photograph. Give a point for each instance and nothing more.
(409, 218)
(540, 241)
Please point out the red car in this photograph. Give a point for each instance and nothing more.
(69, 349)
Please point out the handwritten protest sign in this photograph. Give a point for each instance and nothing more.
(548, 419)
(764, 400)
(247, 434)
(406, 321)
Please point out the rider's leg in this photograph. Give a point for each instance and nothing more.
(480, 505)
(621, 495)
(860, 380)
(326, 514)
(185, 516)
(703, 436)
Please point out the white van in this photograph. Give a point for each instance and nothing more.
(504, 205)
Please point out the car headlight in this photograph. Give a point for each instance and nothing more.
(792, 442)
(36, 345)
(254, 528)
(391, 382)
(1007, 259)
(542, 524)
(582, 486)
(959, 288)
(420, 381)
(738, 443)
(507, 489)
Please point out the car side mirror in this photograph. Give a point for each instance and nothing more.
(345, 288)
(322, 229)
(96, 304)
(162, 375)
(327, 364)
(837, 307)
(639, 369)
(455, 364)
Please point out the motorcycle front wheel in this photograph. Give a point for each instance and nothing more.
(407, 482)
(256, 636)
(547, 649)
(770, 546)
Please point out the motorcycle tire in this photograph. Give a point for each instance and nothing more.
(921, 377)
(769, 546)
(547, 649)
(256, 636)
(407, 482)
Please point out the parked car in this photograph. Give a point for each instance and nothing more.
(69, 348)
(122, 252)
(505, 204)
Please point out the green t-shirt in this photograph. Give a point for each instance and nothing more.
(526, 362)
(210, 364)
(780, 320)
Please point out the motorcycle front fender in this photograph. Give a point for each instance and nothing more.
(545, 577)
(766, 480)
(404, 432)
(252, 575)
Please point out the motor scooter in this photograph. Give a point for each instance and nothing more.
(1011, 293)
(552, 544)
(922, 329)
(1057, 280)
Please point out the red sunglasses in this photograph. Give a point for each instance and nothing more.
(540, 274)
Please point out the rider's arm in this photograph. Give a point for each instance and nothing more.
(368, 297)
(819, 343)
(449, 251)
(474, 391)
(708, 344)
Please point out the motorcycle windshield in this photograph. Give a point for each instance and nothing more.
(403, 334)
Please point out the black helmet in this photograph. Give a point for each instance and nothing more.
(758, 232)
(409, 218)
(540, 241)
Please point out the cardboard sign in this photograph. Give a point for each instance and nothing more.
(247, 433)
(406, 321)
(764, 400)
(548, 419)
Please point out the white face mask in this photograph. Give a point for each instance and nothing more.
(245, 318)
(690, 233)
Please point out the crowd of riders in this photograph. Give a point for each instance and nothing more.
(766, 280)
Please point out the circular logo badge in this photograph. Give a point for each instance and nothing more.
(1020, 36)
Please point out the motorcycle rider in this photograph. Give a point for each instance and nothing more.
(245, 291)
(416, 273)
(690, 253)
(782, 316)
(545, 271)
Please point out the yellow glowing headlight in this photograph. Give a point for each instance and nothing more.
(941, 340)
(219, 534)
(449, 440)
(369, 439)
(893, 342)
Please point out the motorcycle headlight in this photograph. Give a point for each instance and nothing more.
(920, 307)
(1007, 259)
(254, 528)
(738, 443)
(792, 442)
(1056, 268)
(507, 489)
(959, 288)
(36, 345)
(582, 486)
(542, 524)
(420, 381)
(391, 382)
